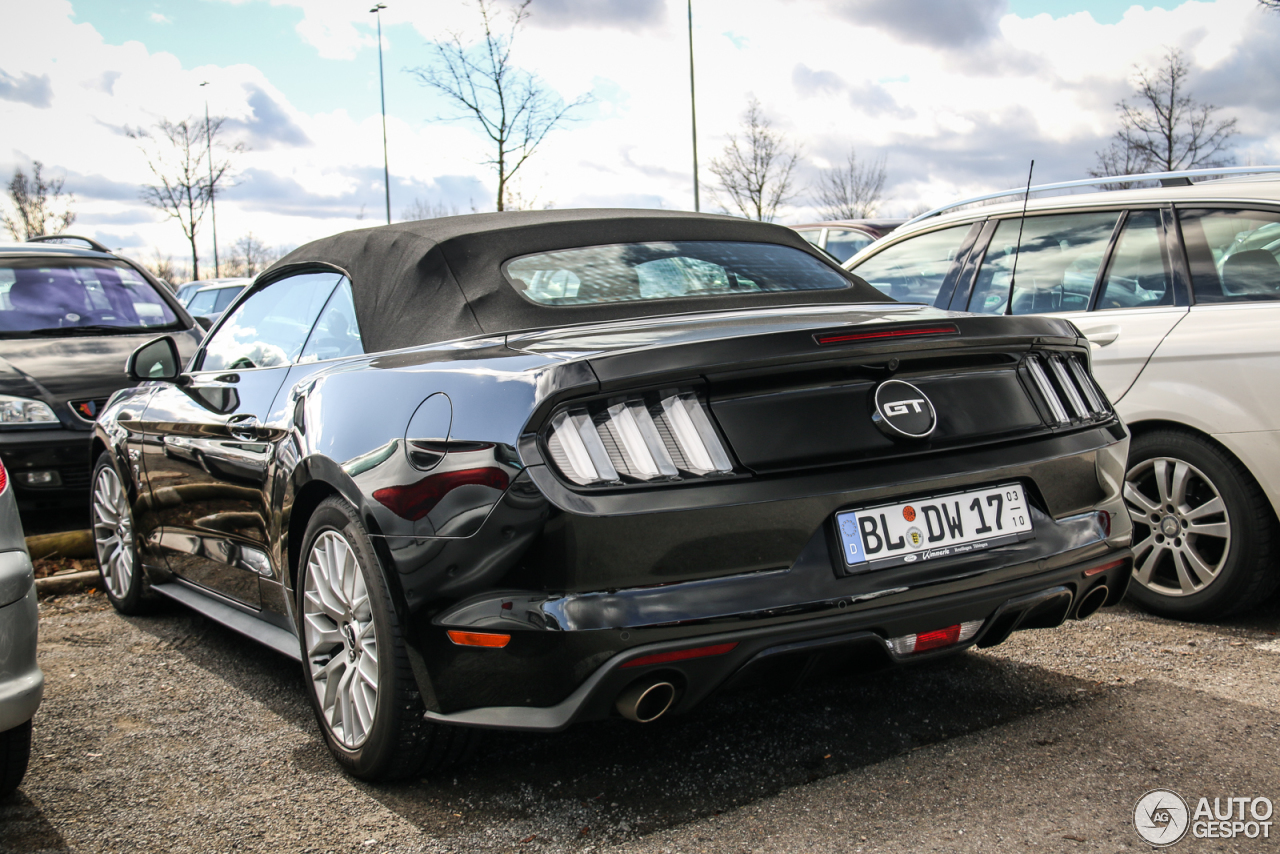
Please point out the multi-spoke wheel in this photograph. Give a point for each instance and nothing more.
(1202, 529)
(363, 691)
(122, 577)
(341, 639)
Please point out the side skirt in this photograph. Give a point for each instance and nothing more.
(282, 641)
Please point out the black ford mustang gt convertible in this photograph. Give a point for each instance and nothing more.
(525, 469)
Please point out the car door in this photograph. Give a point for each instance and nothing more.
(209, 441)
(1107, 271)
(1223, 362)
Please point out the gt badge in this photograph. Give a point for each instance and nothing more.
(903, 411)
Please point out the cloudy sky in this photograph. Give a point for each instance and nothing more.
(957, 95)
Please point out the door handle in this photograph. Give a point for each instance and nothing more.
(1102, 335)
(243, 427)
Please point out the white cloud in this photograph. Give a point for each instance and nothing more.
(158, 18)
(950, 120)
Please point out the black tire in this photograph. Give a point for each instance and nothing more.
(15, 751)
(131, 595)
(1235, 571)
(400, 742)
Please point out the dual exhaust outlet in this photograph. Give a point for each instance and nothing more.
(646, 700)
(1090, 602)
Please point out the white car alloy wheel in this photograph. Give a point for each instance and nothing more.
(340, 639)
(113, 532)
(1182, 531)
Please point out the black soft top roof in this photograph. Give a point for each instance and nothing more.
(438, 279)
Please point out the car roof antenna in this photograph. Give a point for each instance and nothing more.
(1017, 249)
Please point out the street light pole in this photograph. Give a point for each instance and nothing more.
(382, 86)
(693, 112)
(213, 208)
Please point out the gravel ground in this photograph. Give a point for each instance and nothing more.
(171, 733)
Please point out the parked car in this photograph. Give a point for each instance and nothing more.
(187, 290)
(524, 469)
(1178, 290)
(844, 238)
(69, 316)
(211, 300)
(21, 682)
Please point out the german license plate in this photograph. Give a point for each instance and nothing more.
(931, 528)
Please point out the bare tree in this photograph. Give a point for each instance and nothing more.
(756, 171)
(422, 209)
(250, 256)
(514, 108)
(40, 206)
(853, 190)
(164, 269)
(1164, 128)
(178, 154)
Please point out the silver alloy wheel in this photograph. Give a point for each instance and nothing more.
(340, 638)
(113, 532)
(1187, 530)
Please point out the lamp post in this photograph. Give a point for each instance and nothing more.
(213, 209)
(382, 86)
(693, 112)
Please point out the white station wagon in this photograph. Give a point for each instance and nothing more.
(1177, 288)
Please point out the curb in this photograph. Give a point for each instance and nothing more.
(73, 544)
(71, 582)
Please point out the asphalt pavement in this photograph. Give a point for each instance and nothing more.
(171, 733)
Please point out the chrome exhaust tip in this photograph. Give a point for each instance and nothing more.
(1091, 602)
(646, 700)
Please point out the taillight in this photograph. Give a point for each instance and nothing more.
(646, 438)
(4, 477)
(936, 639)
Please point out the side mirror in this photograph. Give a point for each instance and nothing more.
(204, 321)
(155, 360)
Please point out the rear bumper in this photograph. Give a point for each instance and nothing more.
(21, 682)
(60, 450)
(578, 584)
(1035, 601)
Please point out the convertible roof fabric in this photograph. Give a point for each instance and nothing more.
(421, 282)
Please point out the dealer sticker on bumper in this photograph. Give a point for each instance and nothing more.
(932, 528)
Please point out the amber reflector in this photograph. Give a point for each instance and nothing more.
(492, 640)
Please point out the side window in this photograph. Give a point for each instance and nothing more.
(1138, 274)
(226, 296)
(1057, 263)
(813, 235)
(914, 270)
(202, 302)
(269, 328)
(336, 333)
(1233, 254)
(844, 243)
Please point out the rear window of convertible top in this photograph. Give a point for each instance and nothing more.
(625, 272)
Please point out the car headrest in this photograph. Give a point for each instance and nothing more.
(1254, 271)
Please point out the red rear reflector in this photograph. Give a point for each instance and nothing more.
(914, 332)
(937, 638)
(491, 640)
(680, 655)
(1097, 569)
